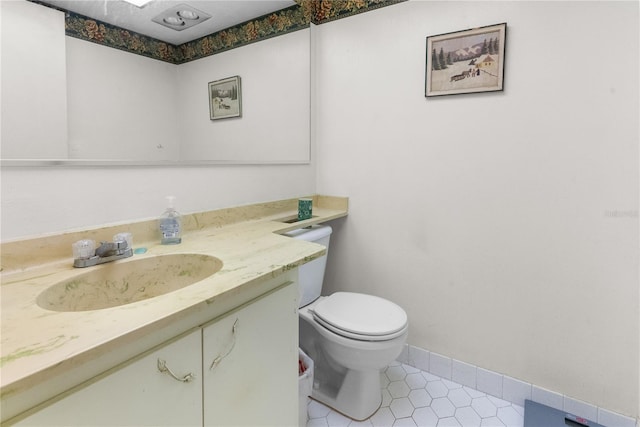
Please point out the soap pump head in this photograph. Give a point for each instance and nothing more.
(170, 200)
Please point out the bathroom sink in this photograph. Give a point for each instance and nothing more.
(125, 282)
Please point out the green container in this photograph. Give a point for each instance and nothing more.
(305, 209)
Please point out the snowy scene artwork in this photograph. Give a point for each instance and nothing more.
(466, 61)
(225, 98)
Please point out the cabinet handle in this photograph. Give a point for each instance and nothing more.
(218, 359)
(163, 368)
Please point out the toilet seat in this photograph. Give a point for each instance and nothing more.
(360, 316)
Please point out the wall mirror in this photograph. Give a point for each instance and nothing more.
(74, 102)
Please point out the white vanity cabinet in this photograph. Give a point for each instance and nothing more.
(136, 394)
(254, 381)
(250, 376)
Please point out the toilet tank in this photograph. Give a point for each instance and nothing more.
(311, 274)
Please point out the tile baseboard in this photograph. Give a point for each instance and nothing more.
(507, 388)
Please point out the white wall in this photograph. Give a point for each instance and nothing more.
(124, 106)
(506, 224)
(275, 103)
(53, 199)
(121, 106)
(33, 81)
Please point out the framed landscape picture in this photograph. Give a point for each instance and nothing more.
(225, 98)
(468, 61)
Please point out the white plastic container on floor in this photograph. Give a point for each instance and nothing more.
(305, 384)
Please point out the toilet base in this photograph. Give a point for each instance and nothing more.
(359, 396)
(346, 371)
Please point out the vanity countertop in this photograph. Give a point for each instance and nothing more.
(61, 348)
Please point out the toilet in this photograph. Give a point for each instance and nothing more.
(350, 336)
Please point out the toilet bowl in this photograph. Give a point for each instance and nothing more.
(350, 337)
(348, 364)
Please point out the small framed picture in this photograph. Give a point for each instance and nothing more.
(225, 98)
(468, 61)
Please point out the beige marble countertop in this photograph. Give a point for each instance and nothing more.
(60, 349)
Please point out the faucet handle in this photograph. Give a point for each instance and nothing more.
(83, 249)
(126, 237)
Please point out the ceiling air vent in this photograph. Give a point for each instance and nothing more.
(181, 17)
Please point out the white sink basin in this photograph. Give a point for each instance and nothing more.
(129, 281)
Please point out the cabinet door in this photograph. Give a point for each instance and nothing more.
(137, 394)
(254, 381)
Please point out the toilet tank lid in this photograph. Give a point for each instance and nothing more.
(310, 234)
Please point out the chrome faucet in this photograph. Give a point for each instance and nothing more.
(106, 252)
(108, 249)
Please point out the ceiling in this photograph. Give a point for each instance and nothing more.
(224, 14)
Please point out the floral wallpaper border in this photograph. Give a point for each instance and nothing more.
(293, 18)
(323, 11)
(88, 29)
(274, 24)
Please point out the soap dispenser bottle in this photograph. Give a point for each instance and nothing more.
(170, 225)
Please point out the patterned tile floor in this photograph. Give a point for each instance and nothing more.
(414, 398)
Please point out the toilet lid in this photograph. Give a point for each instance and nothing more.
(361, 316)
